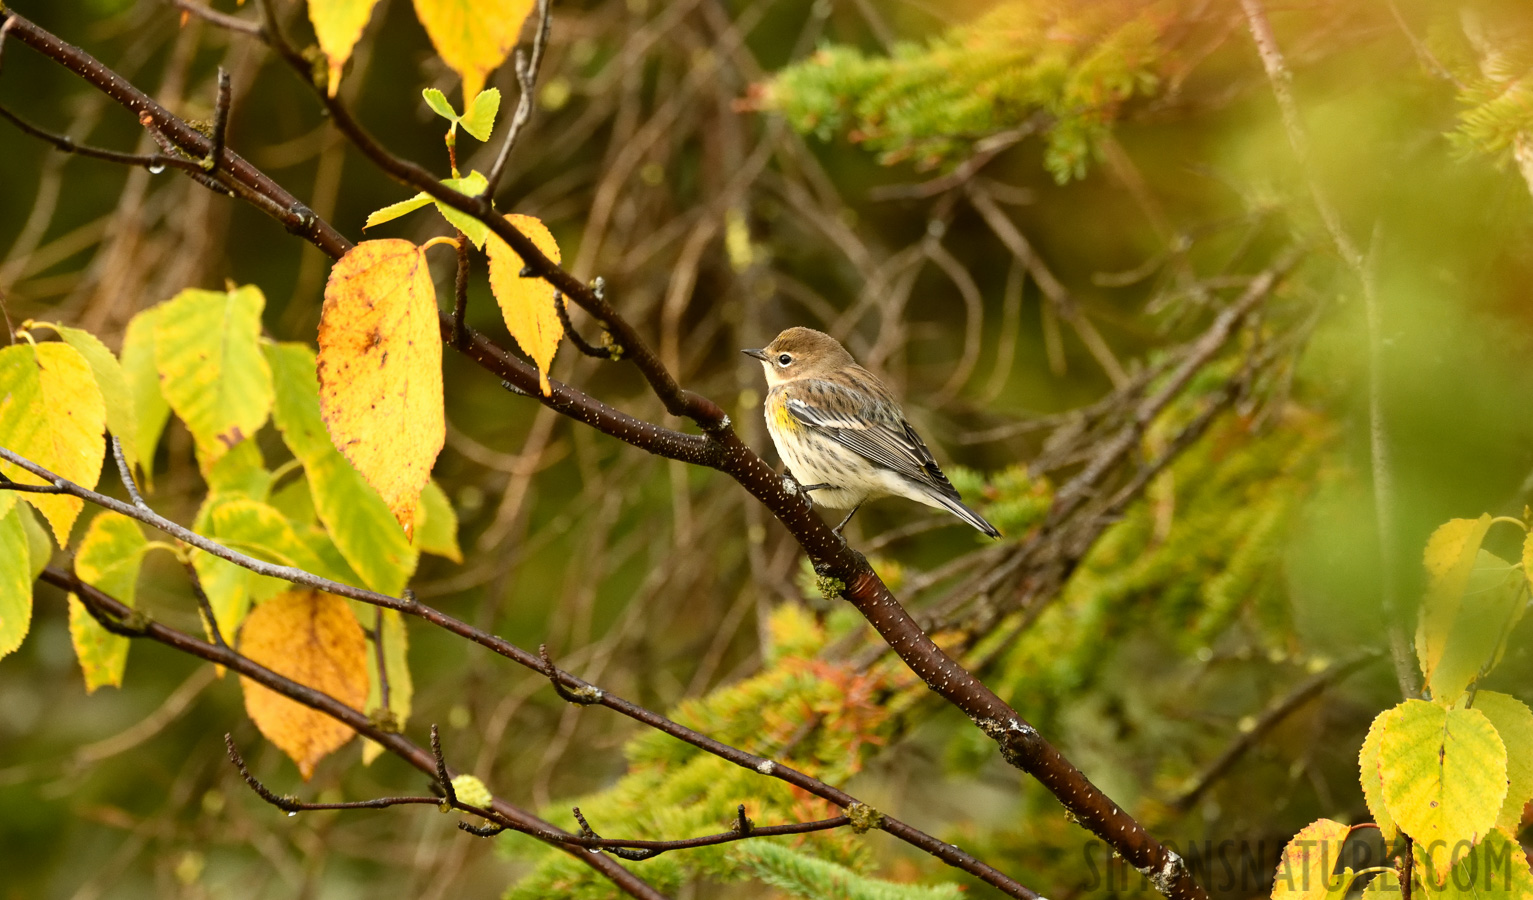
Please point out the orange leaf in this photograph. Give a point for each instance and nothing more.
(380, 370)
(527, 304)
(314, 639)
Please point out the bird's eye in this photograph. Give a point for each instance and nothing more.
(783, 359)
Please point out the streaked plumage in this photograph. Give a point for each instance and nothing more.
(836, 426)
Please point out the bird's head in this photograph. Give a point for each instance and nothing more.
(800, 353)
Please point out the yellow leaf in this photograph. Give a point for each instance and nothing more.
(143, 378)
(109, 558)
(1444, 777)
(338, 25)
(1514, 724)
(1372, 781)
(1449, 559)
(380, 370)
(15, 580)
(1304, 872)
(207, 348)
(473, 36)
(314, 639)
(51, 412)
(120, 415)
(527, 304)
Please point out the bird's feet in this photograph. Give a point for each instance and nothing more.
(791, 485)
(837, 530)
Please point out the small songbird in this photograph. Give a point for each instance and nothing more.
(841, 433)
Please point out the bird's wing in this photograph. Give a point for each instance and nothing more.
(873, 429)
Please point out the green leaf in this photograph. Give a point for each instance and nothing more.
(395, 210)
(436, 524)
(1449, 559)
(259, 530)
(1514, 724)
(471, 185)
(207, 347)
(1372, 780)
(109, 558)
(38, 541)
(1304, 872)
(1384, 886)
(241, 471)
(396, 651)
(52, 414)
(143, 377)
(1444, 774)
(479, 121)
(113, 383)
(15, 583)
(439, 105)
(365, 532)
(472, 791)
(1491, 601)
(293, 500)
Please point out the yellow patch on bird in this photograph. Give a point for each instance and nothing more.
(781, 416)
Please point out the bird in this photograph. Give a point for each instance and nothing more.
(842, 434)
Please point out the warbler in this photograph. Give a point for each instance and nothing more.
(841, 433)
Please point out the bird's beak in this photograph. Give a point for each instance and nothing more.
(758, 354)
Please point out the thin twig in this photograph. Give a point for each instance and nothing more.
(222, 20)
(291, 804)
(1281, 79)
(220, 122)
(125, 471)
(203, 603)
(580, 343)
(151, 161)
(460, 296)
(527, 80)
(380, 659)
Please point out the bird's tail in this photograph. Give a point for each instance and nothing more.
(956, 507)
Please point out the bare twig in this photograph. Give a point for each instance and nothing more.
(527, 79)
(1383, 483)
(222, 20)
(220, 123)
(125, 472)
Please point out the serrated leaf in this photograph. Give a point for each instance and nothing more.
(1304, 871)
(338, 25)
(380, 370)
(396, 653)
(471, 185)
(143, 377)
(527, 304)
(259, 530)
(364, 531)
(207, 347)
(471, 36)
(1492, 598)
(51, 413)
(1444, 776)
(1372, 780)
(121, 418)
(436, 531)
(1385, 884)
(1449, 559)
(312, 638)
(395, 210)
(15, 582)
(439, 105)
(1513, 722)
(109, 558)
(479, 120)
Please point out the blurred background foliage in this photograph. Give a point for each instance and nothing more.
(1022, 213)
